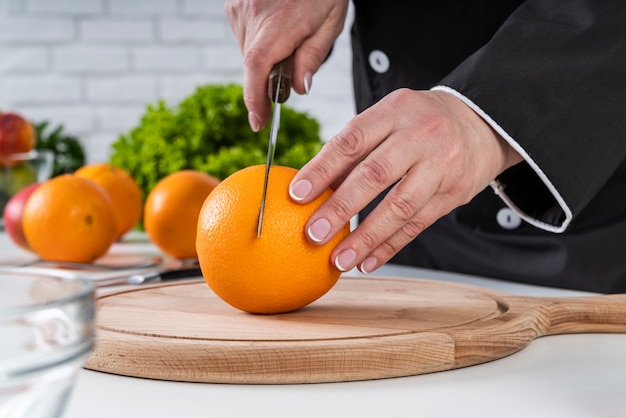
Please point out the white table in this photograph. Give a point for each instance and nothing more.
(557, 376)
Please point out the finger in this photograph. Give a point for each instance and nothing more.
(342, 153)
(309, 57)
(268, 47)
(389, 162)
(318, 37)
(437, 207)
(398, 209)
(233, 14)
(270, 32)
(255, 75)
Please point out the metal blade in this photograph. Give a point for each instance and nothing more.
(271, 148)
(150, 277)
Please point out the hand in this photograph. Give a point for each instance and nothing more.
(440, 153)
(269, 31)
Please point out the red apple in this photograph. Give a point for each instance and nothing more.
(16, 134)
(12, 215)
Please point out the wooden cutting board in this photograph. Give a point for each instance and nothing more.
(364, 328)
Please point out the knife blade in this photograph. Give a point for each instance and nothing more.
(278, 90)
(162, 275)
(151, 277)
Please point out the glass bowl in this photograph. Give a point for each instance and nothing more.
(19, 170)
(47, 330)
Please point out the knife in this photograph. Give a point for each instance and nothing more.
(278, 89)
(150, 277)
(117, 280)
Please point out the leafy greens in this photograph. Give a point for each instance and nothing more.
(209, 131)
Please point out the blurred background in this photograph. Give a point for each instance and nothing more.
(93, 65)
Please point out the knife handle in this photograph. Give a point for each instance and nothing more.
(282, 71)
(177, 274)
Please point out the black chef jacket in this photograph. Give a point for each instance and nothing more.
(550, 77)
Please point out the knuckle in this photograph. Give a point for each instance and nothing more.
(255, 6)
(434, 124)
(413, 228)
(319, 168)
(404, 98)
(399, 96)
(251, 101)
(401, 238)
(232, 7)
(403, 206)
(248, 97)
(367, 239)
(377, 171)
(458, 190)
(348, 142)
(253, 57)
(314, 54)
(389, 248)
(432, 120)
(340, 208)
(465, 199)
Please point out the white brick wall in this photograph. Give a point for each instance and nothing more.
(63, 6)
(20, 30)
(93, 65)
(120, 30)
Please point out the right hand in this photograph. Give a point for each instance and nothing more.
(269, 31)
(433, 150)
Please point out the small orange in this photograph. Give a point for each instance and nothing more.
(279, 272)
(69, 218)
(171, 211)
(123, 190)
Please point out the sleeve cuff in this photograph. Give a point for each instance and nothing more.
(549, 212)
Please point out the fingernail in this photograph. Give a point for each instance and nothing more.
(369, 265)
(345, 259)
(308, 79)
(319, 230)
(253, 120)
(300, 189)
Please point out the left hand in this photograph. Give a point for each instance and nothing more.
(269, 31)
(440, 153)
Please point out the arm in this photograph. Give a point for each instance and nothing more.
(436, 150)
(560, 68)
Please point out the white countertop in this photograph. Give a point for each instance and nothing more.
(556, 376)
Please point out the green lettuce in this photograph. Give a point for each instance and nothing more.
(208, 131)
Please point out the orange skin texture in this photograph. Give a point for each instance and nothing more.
(279, 272)
(171, 211)
(69, 218)
(123, 190)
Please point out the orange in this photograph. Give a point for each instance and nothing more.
(123, 190)
(69, 218)
(279, 272)
(171, 211)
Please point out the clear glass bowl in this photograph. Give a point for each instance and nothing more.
(19, 170)
(47, 330)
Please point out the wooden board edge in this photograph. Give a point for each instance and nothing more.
(272, 362)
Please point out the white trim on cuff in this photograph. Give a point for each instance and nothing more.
(498, 187)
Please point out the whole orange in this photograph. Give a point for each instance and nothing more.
(69, 218)
(171, 211)
(123, 190)
(279, 272)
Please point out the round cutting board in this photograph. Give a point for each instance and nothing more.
(364, 328)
